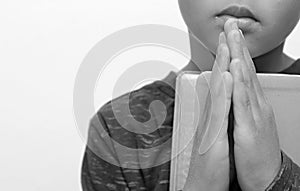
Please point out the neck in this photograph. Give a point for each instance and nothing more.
(272, 62)
(201, 58)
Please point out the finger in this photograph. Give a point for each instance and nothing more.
(215, 85)
(252, 73)
(222, 56)
(234, 39)
(222, 38)
(218, 93)
(226, 83)
(250, 90)
(246, 54)
(216, 128)
(228, 97)
(221, 64)
(249, 74)
(230, 24)
(254, 78)
(225, 58)
(220, 108)
(241, 101)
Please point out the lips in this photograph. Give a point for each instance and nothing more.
(246, 20)
(238, 12)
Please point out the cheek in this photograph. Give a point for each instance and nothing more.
(198, 16)
(278, 21)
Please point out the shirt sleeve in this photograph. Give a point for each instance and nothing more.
(288, 178)
(96, 173)
(108, 166)
(118, 155)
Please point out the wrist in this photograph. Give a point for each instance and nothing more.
(273, 173)
(204, 186)
(281, 182)
(263, 179)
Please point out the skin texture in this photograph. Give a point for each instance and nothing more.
(257, 149)
(210, 170)
(277, 19)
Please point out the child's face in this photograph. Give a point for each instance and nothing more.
(275, 19)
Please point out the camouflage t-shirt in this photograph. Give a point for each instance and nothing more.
(118, 157)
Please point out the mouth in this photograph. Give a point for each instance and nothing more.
(246, 20)
(237, 12)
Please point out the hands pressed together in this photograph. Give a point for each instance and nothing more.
(257, 152)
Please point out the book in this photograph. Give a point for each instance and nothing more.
(281, 90)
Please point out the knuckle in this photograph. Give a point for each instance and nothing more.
(234, 65)
(247, 83)
(235, 62)
(245, 100)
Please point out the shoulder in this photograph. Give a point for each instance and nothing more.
(126, 117)
(137, 101)
(294, 68)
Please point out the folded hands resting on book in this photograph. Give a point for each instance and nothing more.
(257, 153)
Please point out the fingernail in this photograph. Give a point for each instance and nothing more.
(234, 26)
(237, 36)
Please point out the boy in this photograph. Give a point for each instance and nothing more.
(250, 29)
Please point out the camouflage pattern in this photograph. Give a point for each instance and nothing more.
(100, 175)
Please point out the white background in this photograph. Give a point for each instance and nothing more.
(42, 44)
